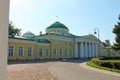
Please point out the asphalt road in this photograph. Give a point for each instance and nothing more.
(70, 70)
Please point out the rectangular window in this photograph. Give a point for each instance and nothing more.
(70, 43)
(29, 51)
(55, 52)
(66, 43)
(66, 52)
(47, 52)
(70, 52)
(55, 42)
(61, 43)
(20, 51)
(11, 51)
(41, 52)
(61, 52)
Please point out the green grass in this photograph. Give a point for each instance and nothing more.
(90, 63)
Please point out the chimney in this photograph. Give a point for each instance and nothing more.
(40, 32)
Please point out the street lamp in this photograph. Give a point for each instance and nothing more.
(97, 29)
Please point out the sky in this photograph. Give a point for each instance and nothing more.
(80, 16)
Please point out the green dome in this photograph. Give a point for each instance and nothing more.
(57, 25)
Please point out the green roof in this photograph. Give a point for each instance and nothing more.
(43, 41)
(31, 39)
(57, 25)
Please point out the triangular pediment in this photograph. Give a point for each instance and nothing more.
(91, 37)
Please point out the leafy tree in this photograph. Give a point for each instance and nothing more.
(12, 30)
(116, 31)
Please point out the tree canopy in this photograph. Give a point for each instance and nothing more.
(12, 30)
(116, 31)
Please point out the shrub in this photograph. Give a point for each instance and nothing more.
(109, 58)
(90, 63)
(115, 64)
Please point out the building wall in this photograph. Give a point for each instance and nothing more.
(59, 47)
(62, 46)
(16, 44)
(43, 47)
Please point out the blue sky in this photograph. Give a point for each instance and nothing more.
(80, 16)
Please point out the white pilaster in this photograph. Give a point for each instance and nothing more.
(4, 19)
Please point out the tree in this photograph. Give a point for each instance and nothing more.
(106, 43)
(12, 30)
(116, 31)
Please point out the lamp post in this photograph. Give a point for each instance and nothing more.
(97, 29)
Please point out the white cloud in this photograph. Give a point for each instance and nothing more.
(16, 2)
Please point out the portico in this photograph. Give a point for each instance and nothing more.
(86, 48)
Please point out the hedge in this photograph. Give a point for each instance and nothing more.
(114, 64)
(109, 58)
(90, 63)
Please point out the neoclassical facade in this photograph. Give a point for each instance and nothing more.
(56, 43)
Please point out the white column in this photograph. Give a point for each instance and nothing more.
(81, 49)
(89, 49)
(93, 49)
(4, 18)
(86, 50)
(76, 50)
(96, 50)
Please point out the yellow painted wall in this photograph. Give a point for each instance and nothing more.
(44, 47)
(59, 44)
(16, 50)
(35, 51)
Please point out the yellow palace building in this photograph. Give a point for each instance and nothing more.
(56, 43)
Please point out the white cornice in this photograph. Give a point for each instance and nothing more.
(29, 42)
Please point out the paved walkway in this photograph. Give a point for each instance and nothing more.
(29, 70)
(78, 70)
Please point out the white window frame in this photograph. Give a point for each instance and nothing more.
(12, 49)
(19, 51)
(30, 49)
